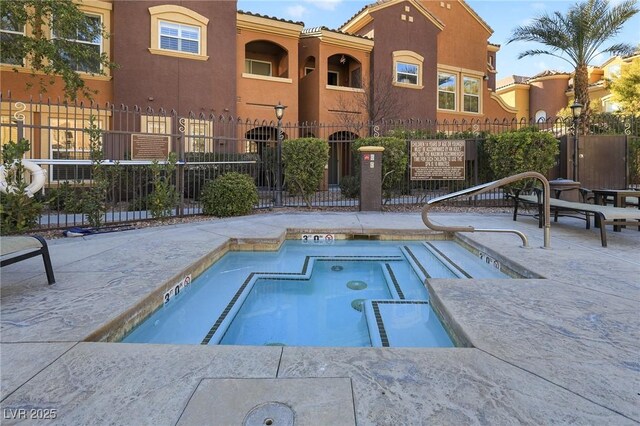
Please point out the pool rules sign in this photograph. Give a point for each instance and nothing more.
(437, 159)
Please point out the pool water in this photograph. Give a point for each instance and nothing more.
(348, 293)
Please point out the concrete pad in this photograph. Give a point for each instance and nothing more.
(256, 401)
(134, 384)
(584, 341)
(443, 386)
(19, 362)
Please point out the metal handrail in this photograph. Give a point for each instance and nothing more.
(486, 187)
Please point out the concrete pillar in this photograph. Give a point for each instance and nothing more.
(371, 178)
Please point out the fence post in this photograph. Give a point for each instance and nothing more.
(180, 166)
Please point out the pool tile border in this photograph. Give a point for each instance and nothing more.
(301, 277)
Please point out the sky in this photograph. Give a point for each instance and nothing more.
(502, 17)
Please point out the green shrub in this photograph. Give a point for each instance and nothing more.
(304, 162)
(94, 203)
(394, 160)
(18, 211)
(524, 150)
(350, 187)
(66, 198)
(233, 194)
(198, 174)
(164, 196)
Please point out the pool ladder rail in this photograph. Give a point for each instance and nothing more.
(486, 187)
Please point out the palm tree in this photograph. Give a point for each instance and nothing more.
(577, 37)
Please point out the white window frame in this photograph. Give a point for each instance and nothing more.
(13, 32)
(90, 43)
(417, 74)
(473, 95)
(199, 136)
(249, 70)
(454, 92)
(179, 37)
(308, 70)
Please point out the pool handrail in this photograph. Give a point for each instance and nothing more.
(486, 187)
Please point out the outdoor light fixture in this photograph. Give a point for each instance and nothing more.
(576, 110)
(279, 110)
(279, 114)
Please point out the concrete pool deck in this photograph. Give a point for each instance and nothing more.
(565, 349)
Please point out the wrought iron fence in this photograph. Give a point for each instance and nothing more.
(207, 146)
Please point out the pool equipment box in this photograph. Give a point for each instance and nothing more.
(438, 159)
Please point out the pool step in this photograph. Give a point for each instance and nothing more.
(427, 264)
(404, 323)
(468, 264)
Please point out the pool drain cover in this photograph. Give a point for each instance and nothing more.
(270, 414)
(337, 268)
(357, 304)
(357, 285)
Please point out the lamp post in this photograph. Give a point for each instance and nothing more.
(279, 114)
(576, 110)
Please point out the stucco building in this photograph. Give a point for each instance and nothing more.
(188, 61)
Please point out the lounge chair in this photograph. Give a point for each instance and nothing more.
(18, 248)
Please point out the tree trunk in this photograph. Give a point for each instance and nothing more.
(581, 92)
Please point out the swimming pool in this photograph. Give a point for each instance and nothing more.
(346, 293)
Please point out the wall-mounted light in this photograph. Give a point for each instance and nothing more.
(485, 77)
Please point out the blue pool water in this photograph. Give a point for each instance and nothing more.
(349, 293)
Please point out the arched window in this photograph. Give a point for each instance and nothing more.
(541, 116)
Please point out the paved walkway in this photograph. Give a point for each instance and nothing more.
(565, 349)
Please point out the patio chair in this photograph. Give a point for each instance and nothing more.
(18, 248)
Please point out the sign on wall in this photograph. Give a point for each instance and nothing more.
(438, 159)
(149, 147)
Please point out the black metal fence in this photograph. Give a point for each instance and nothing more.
(207, 146)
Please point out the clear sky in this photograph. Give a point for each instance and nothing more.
(502, 16)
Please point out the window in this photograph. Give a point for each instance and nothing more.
(253, 66)
(155, 124)
(10, 34)
(82, 62)
(69, 141)
(8, 130)
(541, 116)
(614, 71)
(407, 69)
(407, 73)
(332, 78)
(308, 71)
(179, 32)
(447, 91)
(471, 88)
(198, 136)
(179, 37)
